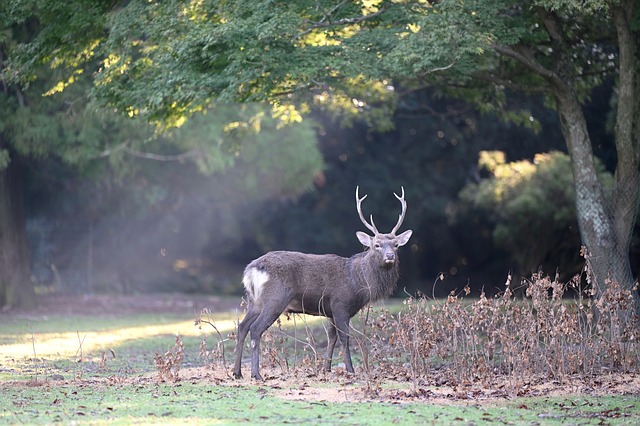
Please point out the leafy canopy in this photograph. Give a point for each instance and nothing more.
(165, 60)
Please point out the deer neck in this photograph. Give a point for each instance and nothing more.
(375, 280)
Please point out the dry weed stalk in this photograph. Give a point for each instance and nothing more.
(217, 355)
(169, 364)
(291, 353)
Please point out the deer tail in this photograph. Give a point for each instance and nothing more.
(253, 281)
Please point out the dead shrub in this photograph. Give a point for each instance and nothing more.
(542, 334)
(543, 330)
(169, 364)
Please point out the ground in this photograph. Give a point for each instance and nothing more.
(356, 389)
(61, 304)
(337, 386)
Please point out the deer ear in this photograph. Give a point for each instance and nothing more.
(364, 238)
(404, 237)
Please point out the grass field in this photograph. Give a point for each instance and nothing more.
(98, 366)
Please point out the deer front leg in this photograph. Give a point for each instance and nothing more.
(332, 337)
(342, 327)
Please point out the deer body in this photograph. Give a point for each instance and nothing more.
(325, 285)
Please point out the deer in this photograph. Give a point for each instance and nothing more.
(289, 282)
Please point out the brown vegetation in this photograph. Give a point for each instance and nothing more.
(541, 337)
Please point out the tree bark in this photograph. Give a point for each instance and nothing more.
(16, 288)
(606, 220)
(626, 191)
(609, 257)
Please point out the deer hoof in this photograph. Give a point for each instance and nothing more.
(237, 375)
(257, 377)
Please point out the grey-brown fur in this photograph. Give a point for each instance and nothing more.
(326, 285)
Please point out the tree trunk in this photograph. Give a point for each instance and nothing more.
(16, 289)
(606, 221)
(600, 218)
(594, 219)
(626, 191)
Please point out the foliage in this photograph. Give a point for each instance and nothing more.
(525, 196)
(146, 224)
(53, 48)
(165, 60)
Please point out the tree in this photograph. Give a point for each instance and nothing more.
(525, 197)
(49, 114)
(566, 48)
(31, 127)
(165, 60)
(561, 49)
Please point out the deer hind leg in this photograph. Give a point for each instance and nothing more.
(332, 337)
(259, 326)
(342, 327)
(243, 328)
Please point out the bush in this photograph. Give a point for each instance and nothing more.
(506, 341)
(530, 206)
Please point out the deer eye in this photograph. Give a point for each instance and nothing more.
(376, 245)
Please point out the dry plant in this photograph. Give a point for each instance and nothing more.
(292, 352)
(542, 334)
(215, 356)
(35, 355)
(168, 365)
(543, 330)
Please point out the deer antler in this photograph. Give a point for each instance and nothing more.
(372, 226)
(404, 210)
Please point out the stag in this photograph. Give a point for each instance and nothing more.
(324, 285)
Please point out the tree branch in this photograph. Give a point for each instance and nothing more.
(325, 22)
(528, 62)
(151, 156)
(158, 157)
(509, 84)
(437, 69)
(552, 25)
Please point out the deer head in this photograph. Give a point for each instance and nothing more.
(384, 245)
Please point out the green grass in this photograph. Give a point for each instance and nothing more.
(52, 371)
(74, 346)
(202, 403)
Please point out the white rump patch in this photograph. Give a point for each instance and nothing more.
(253, 281)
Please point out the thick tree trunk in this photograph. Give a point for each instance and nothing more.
(626, 191)
(606, 220)
(16, 288)
(594, 216)
(601, 218)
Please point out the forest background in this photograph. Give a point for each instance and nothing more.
(118, 197)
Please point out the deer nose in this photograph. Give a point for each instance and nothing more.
(390, 256)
